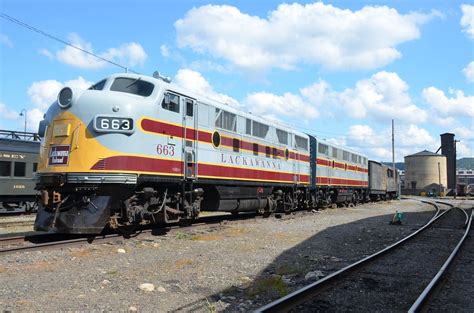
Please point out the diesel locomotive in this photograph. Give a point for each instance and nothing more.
(135, 149)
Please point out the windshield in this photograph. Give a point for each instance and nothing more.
(98, 86)
(134, 86)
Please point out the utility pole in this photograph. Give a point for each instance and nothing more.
(395, 173)
(439, 180)
(21, 114)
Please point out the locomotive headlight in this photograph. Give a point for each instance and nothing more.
(65, 97)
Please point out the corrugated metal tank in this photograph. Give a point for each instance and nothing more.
(424, 171)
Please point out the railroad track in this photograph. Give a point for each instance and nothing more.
(40, 241)
(400, 277)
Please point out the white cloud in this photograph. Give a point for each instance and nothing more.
(463, 132)
(6, 113)
(131, 54)
(46, 53)
(457, 105)
(43, 93)
(305, 104)
(288, 104)
(195, 82)
(414, 136)
(165, 52)
(34, 118)
(468, 72)
(4, 40)
(467, 19)
(383, 96)
(378, 143)
(128, 54)
(463, 150)
(295, 34)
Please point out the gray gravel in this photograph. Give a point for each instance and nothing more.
(227, 267)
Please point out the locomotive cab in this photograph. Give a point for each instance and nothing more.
(81, 130)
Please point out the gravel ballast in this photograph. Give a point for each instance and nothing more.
(232, 266)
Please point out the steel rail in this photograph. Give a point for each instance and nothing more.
(13, 238)
(421, 300)
(301, 295)
(57, 243)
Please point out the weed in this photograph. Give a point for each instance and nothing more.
(180, 235)
(269, 284)
(211, 308)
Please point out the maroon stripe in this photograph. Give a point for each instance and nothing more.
(340, 181)
(142, 164)
(138, 164)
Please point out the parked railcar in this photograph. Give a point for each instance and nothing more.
(136, 149)
(18, 164)
(383, 181)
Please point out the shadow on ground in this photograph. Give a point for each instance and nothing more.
(318, 256)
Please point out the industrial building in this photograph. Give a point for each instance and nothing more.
(425, 172)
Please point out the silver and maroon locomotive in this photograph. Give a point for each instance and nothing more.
(137, 149)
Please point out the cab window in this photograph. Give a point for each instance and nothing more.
(170, 102)
(98, 86)
(134, 86)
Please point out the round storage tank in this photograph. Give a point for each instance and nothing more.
(424, 171)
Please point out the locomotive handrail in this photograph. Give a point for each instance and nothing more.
(19, 135)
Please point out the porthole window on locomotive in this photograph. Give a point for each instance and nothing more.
(216, 139)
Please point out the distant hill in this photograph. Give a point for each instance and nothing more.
(465, 163)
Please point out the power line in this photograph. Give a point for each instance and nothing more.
(41, 32)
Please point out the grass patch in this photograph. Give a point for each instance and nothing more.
(207, 237)
(183, 262)
(180, 236)
(268, 285)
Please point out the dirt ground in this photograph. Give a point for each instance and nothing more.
(232, 266)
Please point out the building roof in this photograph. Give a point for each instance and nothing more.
(425, 153)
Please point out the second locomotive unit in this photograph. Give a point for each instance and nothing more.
(137, 149)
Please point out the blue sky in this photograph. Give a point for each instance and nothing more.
(338, 69)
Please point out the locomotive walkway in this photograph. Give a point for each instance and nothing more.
(416, 263)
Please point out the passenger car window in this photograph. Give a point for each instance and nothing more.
(134, 86)
(20, 169)
(5, 168)
(170, 102)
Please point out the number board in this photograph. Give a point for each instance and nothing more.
(113, 124)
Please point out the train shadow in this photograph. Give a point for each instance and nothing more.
(325, 252)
